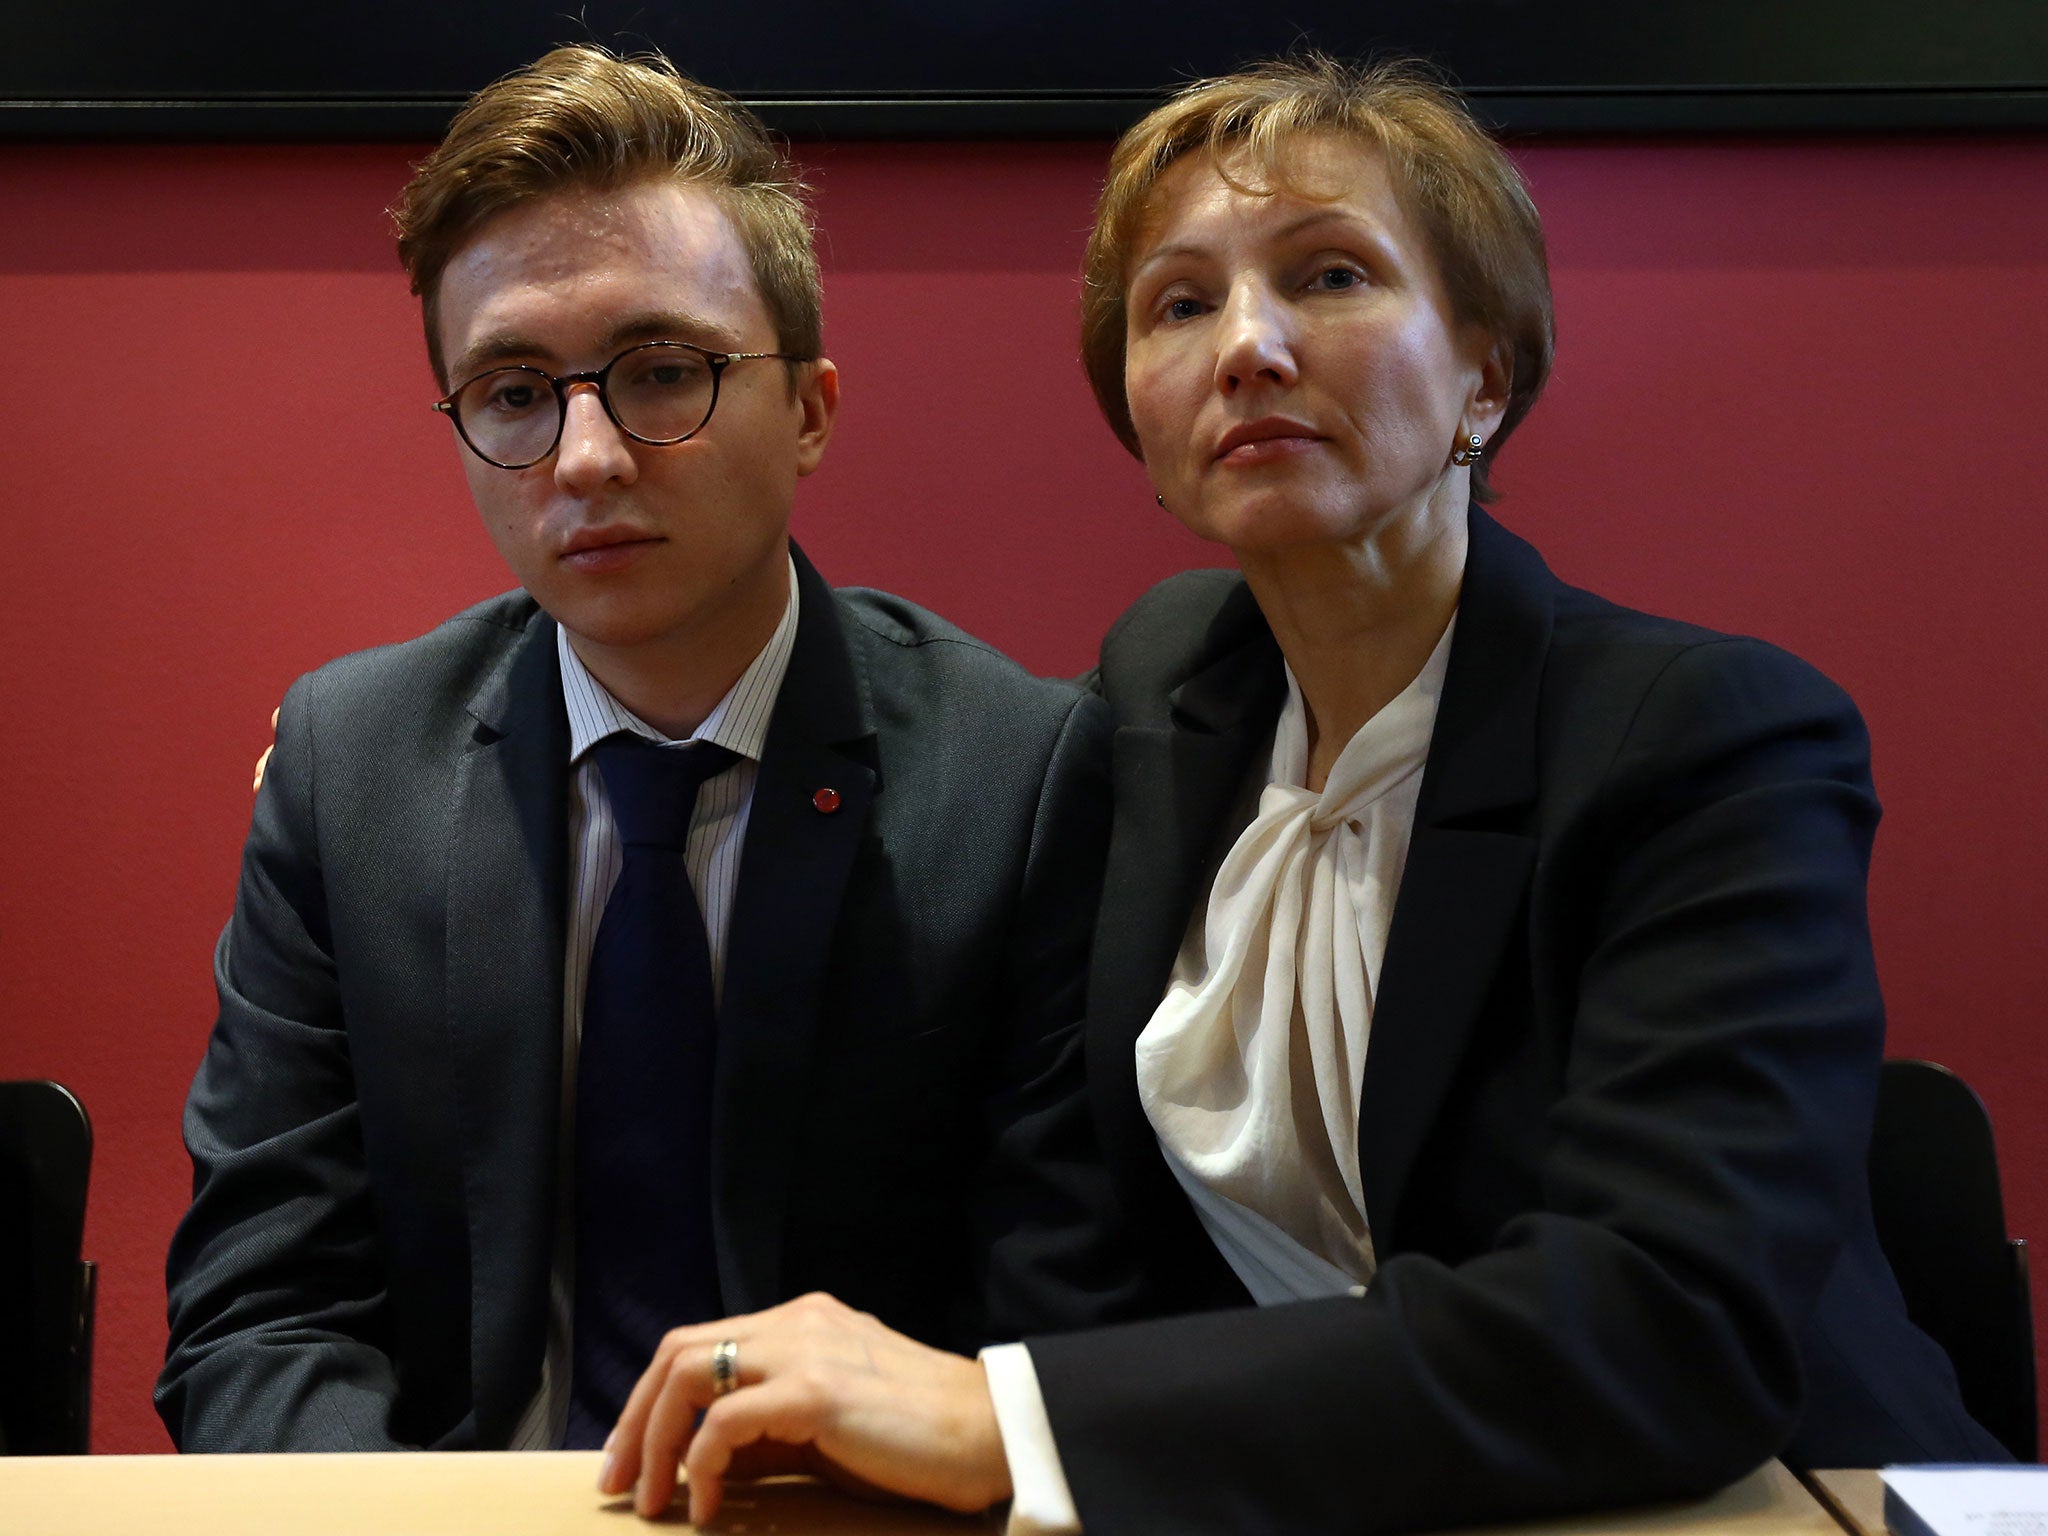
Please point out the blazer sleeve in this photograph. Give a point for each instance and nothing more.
(1631, 1335)
(1053, 1247)
(277, 1297)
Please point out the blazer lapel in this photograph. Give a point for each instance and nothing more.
(506, 881)
(793, 877)
(1468, 867)
(1177, 786)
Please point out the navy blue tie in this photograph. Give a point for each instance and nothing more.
(645, 1260)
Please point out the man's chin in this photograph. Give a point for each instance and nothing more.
(617, 635)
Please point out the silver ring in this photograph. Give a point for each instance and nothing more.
(725, 1367)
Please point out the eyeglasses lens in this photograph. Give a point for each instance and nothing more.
(660, 392)
(509, 416)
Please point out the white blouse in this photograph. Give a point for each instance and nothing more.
(1252, 1067)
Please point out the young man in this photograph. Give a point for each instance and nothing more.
(663, 940)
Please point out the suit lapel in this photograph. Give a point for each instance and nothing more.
(1469, 861)
(1177, 786)
(793, 877)
(506, 882)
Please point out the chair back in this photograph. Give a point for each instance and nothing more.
(1934, 1195)
(46, 1292)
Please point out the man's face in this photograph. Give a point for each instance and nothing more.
(641, 553)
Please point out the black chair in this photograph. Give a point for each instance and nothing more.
(46, 1292)
(1934, 1194)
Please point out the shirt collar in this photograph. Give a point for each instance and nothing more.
(738, 722)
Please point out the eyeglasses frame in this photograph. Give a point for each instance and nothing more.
(718, 361)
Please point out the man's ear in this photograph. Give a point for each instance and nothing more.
(817, 397)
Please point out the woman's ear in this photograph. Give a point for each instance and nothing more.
(1490, 392)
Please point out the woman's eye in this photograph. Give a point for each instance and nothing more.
(1337, 279)
(1182, 308)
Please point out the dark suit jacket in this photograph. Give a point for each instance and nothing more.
(373, 1129)
(1616, 1100)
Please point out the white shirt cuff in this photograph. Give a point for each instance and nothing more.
(1040, 1502)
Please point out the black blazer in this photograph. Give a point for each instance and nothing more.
(1616, 1100)
(373, 1129)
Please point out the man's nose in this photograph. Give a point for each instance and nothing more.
(592, 449)
(1254, 340)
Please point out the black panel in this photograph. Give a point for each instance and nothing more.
(397, 68)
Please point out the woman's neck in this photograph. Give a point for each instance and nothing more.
(1357, 622)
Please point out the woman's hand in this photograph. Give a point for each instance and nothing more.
(822, 1388)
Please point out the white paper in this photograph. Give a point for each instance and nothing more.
(1971, 1501)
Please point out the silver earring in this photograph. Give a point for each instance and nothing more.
(1469, 451)
(1159, 498)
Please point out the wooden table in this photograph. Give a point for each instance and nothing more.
(1855, 1498)
(553, 1493)
(482, 1493)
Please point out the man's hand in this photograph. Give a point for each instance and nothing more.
(822, 1388)
(264, 761)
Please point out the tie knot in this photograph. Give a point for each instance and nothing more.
(653, 790)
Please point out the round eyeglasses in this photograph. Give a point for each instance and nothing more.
(660, 392)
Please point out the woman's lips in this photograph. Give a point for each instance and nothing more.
(1265, 441)
(1266, 450)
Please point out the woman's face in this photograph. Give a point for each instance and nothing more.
(1293, 371)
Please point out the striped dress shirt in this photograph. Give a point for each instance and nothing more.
(718, 832)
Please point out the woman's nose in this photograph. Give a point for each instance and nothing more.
(1254, 342)
(592, 450)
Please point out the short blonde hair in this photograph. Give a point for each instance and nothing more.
(1452, 178)
(584, 119)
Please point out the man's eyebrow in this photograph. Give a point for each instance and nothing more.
(671, 325)
(496, 349)
(668, 325)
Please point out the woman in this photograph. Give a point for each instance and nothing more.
(1548, 1177)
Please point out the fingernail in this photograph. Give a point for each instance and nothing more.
(604, 1473)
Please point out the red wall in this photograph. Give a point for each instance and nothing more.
(1799, 392)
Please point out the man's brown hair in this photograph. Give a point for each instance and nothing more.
(1454, 181)
(584, 119)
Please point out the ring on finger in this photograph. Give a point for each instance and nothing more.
(725, 1367)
